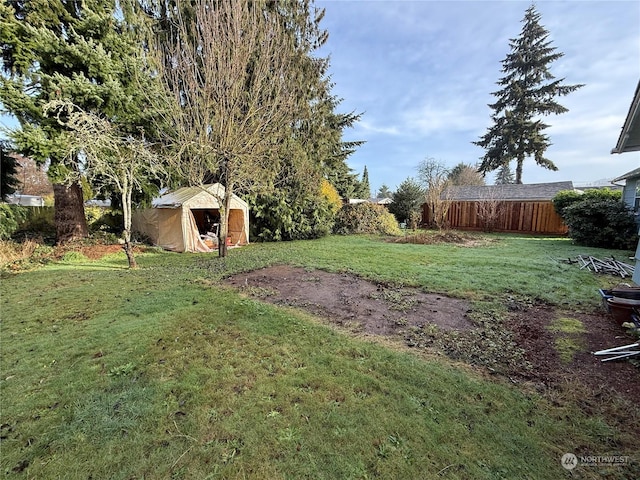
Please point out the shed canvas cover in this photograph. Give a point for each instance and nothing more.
(177, 220)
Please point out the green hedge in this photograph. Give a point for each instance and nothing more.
(566, 198)
(11, 217)
(286, 216)
(601, 222)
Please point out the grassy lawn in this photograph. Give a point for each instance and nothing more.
(163, 372)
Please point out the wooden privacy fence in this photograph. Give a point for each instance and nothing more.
(501, 216)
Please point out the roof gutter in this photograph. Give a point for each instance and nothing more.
(632, 118)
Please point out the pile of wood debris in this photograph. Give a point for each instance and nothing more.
(609, 266)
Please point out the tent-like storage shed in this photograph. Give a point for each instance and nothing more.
(180, 220)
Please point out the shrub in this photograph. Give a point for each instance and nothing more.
(11, 251)
(332, 196)
(285, 215)
(11, 216)
(24, 255)
(100, 219)
(601, 222)
(565, 198)
(407, 200)
(365, 218)
(603, 194)
(38, 222)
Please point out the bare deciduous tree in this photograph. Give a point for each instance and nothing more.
(465, 174)
(230, 68)
(434, 177)
(490, 209)
(33, 178)
(114, 160)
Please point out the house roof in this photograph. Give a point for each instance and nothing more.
(632, 174)
(25, 200)
(533, 191)
(629, 140)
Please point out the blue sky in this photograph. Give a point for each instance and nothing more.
(422, 73)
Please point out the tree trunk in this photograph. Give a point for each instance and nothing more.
(127, 206)
(519, 164)
(128, 250)
(224, 222)
(71, 223)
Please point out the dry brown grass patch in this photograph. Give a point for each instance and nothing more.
(11, 251)
(444, 236)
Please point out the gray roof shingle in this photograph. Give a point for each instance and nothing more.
(533, 191)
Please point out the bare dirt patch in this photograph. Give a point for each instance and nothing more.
(524, 347)
(533, 332)
(352, 302)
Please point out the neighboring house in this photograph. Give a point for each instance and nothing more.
(503, 208)
(631, 189)
(94, 202)
(381, 201)
(605, 183)
(377, 201)
(25, 200)
(629, 141)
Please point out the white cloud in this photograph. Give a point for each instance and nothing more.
(434, 118)
(368, 128)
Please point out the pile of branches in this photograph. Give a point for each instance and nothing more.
(609, 266)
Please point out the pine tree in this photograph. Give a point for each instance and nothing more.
(504, 175)
(384, 192)
(528, 91)
(408, 198)
(78, 51)
(343, 178)
(365, 188)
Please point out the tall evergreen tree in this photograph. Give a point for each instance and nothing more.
(528, 91)
(365, 188)
(384, 192)
(504, 175)
(67, 50)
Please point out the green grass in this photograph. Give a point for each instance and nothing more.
(529, 267)
(163, 372)
(569, 339)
